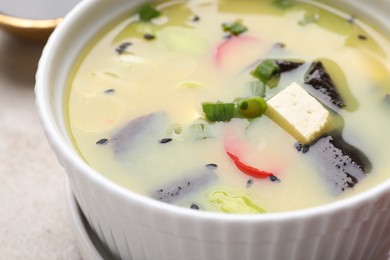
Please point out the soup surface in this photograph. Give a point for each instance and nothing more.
(236, 106)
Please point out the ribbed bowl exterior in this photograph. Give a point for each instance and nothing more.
(134, 231)
(134, 227)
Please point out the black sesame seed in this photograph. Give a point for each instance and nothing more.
(362, 37)
(102, 141)
(194, 206)
(196, 18)
(298, 146)
(165, 140)
(227, 36)
(212, 165)
(110, 91)
(123, 47)
(249, 182)
(305, 148)
(273, 178)
(351, 19)
(148, 36)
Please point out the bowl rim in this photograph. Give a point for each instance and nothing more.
(60, 145)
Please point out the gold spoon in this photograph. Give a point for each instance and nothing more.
(29, 29)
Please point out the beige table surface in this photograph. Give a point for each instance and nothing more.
(34, 218)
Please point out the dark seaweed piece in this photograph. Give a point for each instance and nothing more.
(183, 187)
(320, 80)
(102, 141)
(342, 164)
(287, 65)
(136, 131)
(123, 47)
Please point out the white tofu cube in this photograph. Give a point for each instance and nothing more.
(298, 113)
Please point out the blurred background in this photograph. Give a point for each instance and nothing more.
(34, 216)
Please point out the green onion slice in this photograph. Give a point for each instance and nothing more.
(235, 28)
(283, 4)
(198, 131)
(252, 107)
(309, 18)
(249, 108)
(267, 72)
(218, 111)
(257, 88)
(148, 12)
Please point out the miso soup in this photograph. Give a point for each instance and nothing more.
(235, 106)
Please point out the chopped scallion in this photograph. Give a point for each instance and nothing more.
(148, 12)
(252, 107)
(283, 4)
(257, 88)
(309, 18)
(249, 108)
(219, 111)
(197, 131)
(267, 72)
(235, 28)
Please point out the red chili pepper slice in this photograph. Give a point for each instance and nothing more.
(249, 170)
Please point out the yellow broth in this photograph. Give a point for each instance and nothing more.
(190, 61)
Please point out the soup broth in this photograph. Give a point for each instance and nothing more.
(187, 102)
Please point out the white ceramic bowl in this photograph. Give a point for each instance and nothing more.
(91, 247)
(136, 227)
